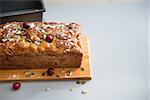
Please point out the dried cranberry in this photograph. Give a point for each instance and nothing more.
(49, 38)
(26, 25)
(50, 71)
(16, 85)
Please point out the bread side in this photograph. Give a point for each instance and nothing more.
(40, 45)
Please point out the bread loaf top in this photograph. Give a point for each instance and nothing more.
(35, 38)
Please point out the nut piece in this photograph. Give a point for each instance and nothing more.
(84, 92)
(69, 72)
(28, 73)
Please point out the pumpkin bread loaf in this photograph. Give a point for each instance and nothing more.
(40, 45)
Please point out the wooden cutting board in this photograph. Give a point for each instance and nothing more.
(83, 72)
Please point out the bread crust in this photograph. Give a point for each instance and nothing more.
(27, 47)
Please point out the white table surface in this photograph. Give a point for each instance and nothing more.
(118, 43)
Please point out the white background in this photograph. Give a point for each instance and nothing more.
(118, 33)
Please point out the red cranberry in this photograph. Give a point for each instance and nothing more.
(50, 71)
(26, 25)
(49, 38)
(16, 85)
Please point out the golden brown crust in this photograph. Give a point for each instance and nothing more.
(30, 39)
(20, 41)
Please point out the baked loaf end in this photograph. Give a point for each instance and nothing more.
(40, 45)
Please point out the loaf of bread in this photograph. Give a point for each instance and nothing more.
(40, 45)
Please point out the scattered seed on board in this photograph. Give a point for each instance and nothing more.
(82, 69)
(28, 73)
(69, 72)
